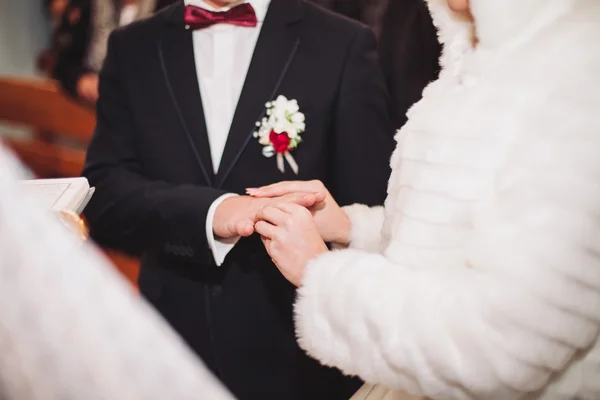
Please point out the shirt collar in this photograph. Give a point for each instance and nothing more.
(260, 6)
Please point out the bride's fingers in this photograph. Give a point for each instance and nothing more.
(290, 208)
(282, 188)
(267, 243)
(275, 189)
(305, 199)
(320, 196)
(265, 229)
(302, 199)
(272, 215)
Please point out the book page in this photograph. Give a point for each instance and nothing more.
(66, 194)
(48, 194)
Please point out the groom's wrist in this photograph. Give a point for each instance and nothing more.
(217, 223)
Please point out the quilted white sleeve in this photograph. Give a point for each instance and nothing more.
(365, 233)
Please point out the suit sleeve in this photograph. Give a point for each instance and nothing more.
(363, 134)
(129, 211)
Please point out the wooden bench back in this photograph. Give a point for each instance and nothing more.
(40, 104)
(54, 117)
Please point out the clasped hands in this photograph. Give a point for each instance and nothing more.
(295, 219)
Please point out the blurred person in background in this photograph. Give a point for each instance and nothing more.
(81, 40)
(70, 327)
(47, 58)
(56, 9)
(409, 49)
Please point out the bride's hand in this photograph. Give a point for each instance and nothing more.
(290, 237)
(331, 221)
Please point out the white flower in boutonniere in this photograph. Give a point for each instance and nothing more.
(280, 131)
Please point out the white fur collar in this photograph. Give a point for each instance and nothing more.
(498, 23)
(455, 33)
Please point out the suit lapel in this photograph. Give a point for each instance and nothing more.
(176, 55)
(275, 49)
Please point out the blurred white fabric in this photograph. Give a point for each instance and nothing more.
(70, 327)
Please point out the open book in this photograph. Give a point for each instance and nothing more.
(64, 194)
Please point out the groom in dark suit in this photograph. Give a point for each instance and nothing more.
(180, 95)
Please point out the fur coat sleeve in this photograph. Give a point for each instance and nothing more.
(366, 226)
(528, 303)
(524, 307)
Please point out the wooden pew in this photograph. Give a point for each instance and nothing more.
(62, 128)
(41, 106)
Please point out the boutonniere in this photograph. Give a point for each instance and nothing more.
(280, 131)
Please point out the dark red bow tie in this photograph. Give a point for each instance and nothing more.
(198, 18)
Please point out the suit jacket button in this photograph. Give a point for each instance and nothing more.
(216, 290)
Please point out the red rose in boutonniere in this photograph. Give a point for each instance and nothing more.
(280, 142)
(279, 132)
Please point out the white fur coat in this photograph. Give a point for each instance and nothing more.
(481, 276)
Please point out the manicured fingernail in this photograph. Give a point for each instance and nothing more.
(251, 191)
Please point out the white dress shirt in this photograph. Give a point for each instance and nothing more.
(222, 53)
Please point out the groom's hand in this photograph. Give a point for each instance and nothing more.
(290, 237)
(331, 221)
(236, 216)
